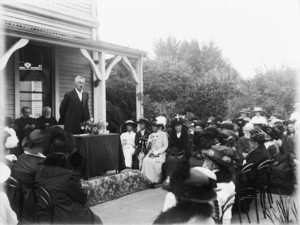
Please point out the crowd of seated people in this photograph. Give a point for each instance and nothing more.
(223, 146)
(44, 164)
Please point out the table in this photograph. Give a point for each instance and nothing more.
(101, 153)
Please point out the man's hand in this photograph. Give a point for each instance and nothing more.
(27, 126)
(32, 126)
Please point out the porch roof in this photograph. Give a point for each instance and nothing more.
(20, 30)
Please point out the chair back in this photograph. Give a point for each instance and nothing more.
(246, 169)
(15, 196)
(229, 202)
(44, 205)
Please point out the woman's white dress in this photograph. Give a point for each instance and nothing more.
(128, 145)
(152, 166)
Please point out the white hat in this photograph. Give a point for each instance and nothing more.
(161, 120)
(258, 120)
(210, 174)
(4, 172)
(258, 109)
(297, 104)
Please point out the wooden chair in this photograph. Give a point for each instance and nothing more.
(15, 196)
(44, 205)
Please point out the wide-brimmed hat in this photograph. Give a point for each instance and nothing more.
(34, 142)
(258, 135)
(240, 122)
(159, 121)
(247, 111)
(297, 104)
(258, 109)
(143, 120)
(220, 154)
(177, 122)
(258, 120)
(5, 172)
(271, 131)
(130, 122)
(199, 187)
(227, 125)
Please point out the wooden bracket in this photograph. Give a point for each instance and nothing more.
(4, 59)
(93, 65)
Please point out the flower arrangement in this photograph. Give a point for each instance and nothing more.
(93, 127)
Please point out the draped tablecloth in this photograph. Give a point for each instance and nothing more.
(100, 153)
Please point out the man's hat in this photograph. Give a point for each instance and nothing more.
(258, 135)
(130, 122)
(143, 120)
(247, 111)
(221, 155)
(34, 142)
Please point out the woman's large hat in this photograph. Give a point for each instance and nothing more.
(177, 121)
(160, 121)
(258, 120)
(227, 125)
(143, 120)
(131, 123)
(199, 187)
(247, 111)
(221, 155)
(271, 131)
(258, 135)
(34, 142)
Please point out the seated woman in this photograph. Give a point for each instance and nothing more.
(221, 160)
(128, 142)
(63, 185)
(157, 145)
(178, 145)
(26, 168)
(202, 141)
(193, 190)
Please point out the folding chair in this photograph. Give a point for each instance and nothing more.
(15, 196)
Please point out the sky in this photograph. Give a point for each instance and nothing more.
(252, 34)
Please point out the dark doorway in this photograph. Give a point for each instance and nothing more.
(35, 64)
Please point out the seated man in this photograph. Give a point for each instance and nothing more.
(141, 139)
(25, 170)
(46, 120)
(25, 124)
(127, 141)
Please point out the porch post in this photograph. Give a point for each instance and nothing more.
(139, 89)
(101, 93)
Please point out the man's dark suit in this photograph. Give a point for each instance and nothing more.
(73, 111)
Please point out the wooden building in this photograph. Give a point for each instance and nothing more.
(47, 44)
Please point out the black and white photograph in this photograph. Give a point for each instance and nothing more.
(149, 112)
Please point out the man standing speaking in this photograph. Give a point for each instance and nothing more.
(74, 108)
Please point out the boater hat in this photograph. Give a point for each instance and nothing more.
(130, 122)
